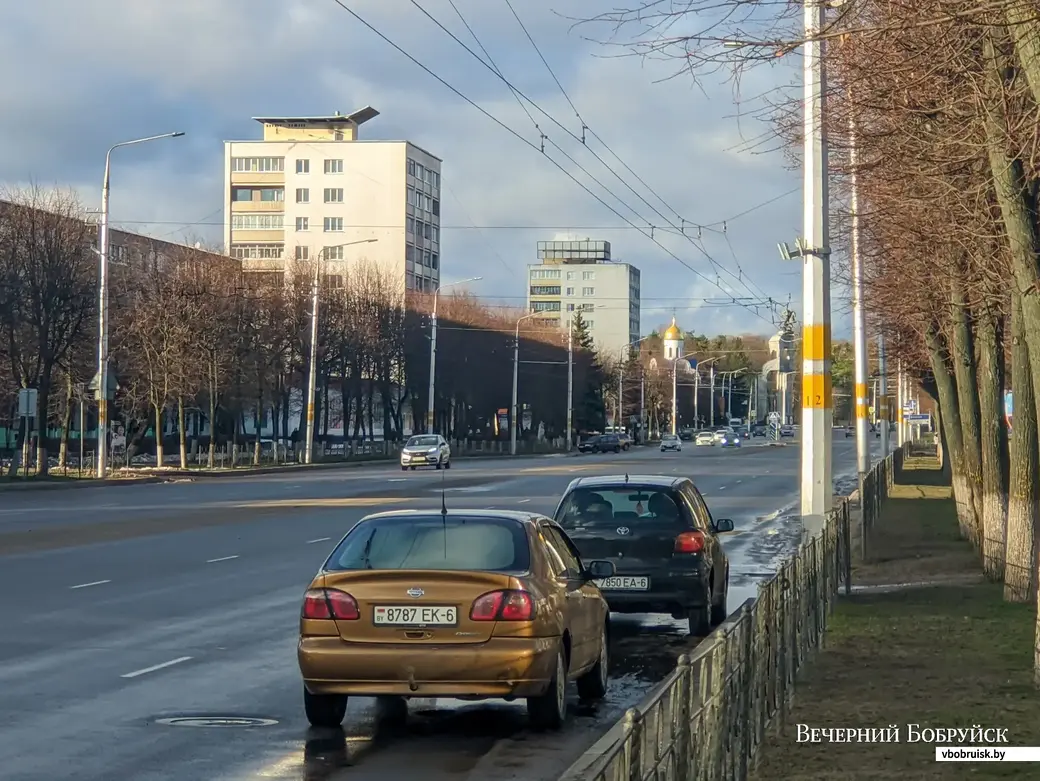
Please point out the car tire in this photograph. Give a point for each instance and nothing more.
(439, 465)
(412, 468)
(593, 684)
(548, 710)
(404, 469)
(720, 611)
(447, 464)
(324, 710)
(700, 617)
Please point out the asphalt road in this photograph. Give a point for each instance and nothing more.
(122, 607)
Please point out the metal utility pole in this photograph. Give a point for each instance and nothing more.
(696, 400)
(817, 488)
(619, 410)
(433, 349)
(899, 402)
(103, 322)
(514, 421)
(570, 386)
(642, 407)
(859, 327)
(675, 390)
(312, 371)
(711, 412)
(882, 395)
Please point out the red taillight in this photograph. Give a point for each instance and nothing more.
(503, 606)
(689, 542)
(328, 603)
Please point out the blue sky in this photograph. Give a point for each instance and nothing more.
(111, 70)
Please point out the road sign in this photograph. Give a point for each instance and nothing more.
(917, 418)
(95, 383)
(774, 417)
(27, 398)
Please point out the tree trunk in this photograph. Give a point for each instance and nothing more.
(182, 435)
(966, 373)
(42, 419)
(951, 424)
(160, 454)
(1020, 576)
(211, 455)
(258, 425)
(994, 441)
(66, 423)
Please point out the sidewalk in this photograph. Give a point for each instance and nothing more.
(922, 641)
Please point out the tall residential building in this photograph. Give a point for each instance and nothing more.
(577, 275)
(312, 186)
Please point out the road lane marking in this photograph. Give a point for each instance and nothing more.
(722, 488)
(222, 558)
(396, 479)
(739, 481)
(155, 667)
(320, 539)
(93, 583)
(523, 501)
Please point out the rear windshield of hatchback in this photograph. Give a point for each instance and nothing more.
(605, 508)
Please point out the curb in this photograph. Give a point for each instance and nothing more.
(73, 484)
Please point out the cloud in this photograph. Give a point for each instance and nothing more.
(112, 70)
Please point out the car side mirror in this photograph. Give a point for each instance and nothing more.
(723, 525)
(600, 569)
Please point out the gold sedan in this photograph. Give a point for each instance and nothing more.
(467, 604)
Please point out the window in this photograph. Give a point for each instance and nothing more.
(434, 260)
(333, 224)
(588, 276)
(545, 306)
(563, 548)
(303, 166)
(431, 542)
(241, 194)
(701, 513)
(332, 253)
(545, 273)
(257, 251)
(420, 172)
(436, 233)
(303, 223)
(570, 307)
(590, 324)
(262, 165)
(333, 166)
(411, 167)
(545, 290)
(436, 208)
(426, 258)
(427, 231)
(303, 195)
(588, 291)
(571, 275)
(427, 203)
(333, 195)
(435, 179)
(420, 227)
(303, 253)
(409, 253)
(272, 194)
(337, 135)
(257, 222)
(334, 281)
(411, 224)
(607, 508)
(570, 290)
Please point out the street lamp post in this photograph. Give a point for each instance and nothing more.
(103, 322)
(312, 372)
(433, 348)
(516, 377)
(675, 387)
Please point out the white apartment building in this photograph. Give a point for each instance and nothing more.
(577, 275)
(312, 190)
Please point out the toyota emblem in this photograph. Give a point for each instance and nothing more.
(415, 592)
(623, 530)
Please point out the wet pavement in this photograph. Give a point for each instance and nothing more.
(168, 652)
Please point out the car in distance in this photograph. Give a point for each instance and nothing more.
(705, 438)
(661, 538)
(787, 431)
(758, 430)
(589, 444)
(728, 438)
(426, 450)
(624, 439)
(467, 604)
(670, 442)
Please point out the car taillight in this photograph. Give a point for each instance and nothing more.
(503, 606)
(689, 542)
(329, 603)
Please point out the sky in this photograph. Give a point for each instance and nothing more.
(669, 153)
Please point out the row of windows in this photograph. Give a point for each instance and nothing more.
(416, 282)
(545, 290)
(423, 201)
(329, 195)
(424, 229)
(303, 166)
(327, 253)
(258, 222)
(423, 174)
(263, 165)
(246, 194)
(257, 251)
(545, 306)
(421, 257)
(545, 273)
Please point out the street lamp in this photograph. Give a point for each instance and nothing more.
(433, 347)
(103, 324)
(312, 377)
(516, 372)
(675, 386)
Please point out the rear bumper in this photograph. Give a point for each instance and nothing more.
(500, 667)
(669, 592)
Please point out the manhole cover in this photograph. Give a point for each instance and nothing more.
(216, 721)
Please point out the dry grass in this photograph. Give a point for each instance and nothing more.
(943, 656)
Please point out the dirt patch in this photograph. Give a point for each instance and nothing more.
(951, 656)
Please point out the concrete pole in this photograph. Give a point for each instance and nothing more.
(514, 422)
(859, 327)
(312, 373)
(642, 407)
(102, 372)
(570, 387)
(882, 402)
(711, 379)
(899, 402)
(433, 363)
(675, 387)
(696, 393)
(817, 488)
(620, 412)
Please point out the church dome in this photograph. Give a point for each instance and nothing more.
(672, 333)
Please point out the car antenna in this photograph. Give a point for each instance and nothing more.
(626, 478)
(444, 518)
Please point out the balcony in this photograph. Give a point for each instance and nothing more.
(253, 207)
(253, 236)
(265, 178)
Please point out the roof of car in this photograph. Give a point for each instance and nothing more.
(509, 515)
(611, 481)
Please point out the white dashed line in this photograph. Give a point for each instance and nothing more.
(93, 583)
(523, 501)
(396, 479)
(320, 539)
(222, 558)
(722, 488)
(155, 667)
(739, 481)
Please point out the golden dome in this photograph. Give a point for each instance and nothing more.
(672, 333)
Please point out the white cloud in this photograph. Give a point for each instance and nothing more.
(114, 69)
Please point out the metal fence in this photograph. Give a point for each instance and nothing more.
(707, 719)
